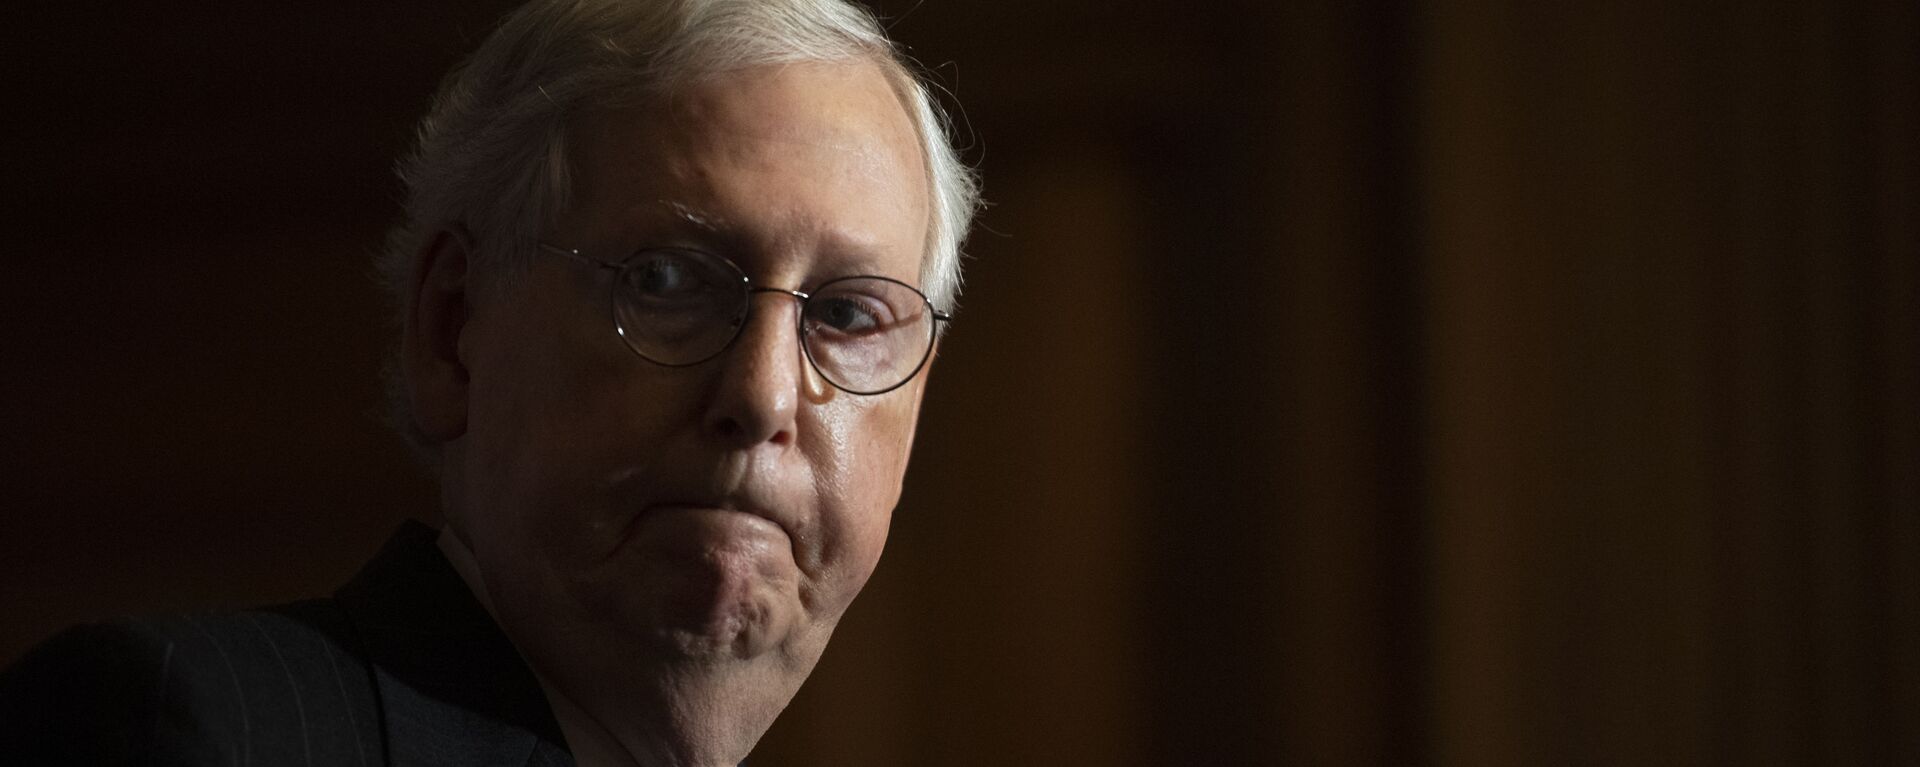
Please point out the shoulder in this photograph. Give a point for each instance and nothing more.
(89, 694)
(265, 686)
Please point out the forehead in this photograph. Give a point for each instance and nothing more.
(786, 168)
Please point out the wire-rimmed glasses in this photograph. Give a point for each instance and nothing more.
(679, 307)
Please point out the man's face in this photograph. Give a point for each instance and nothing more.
(627, 514)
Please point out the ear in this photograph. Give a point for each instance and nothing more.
(430, 341)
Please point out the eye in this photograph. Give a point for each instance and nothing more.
(670, 280)
(847, 314)
(664, 276)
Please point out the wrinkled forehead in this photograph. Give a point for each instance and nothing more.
(867, 103)
(825, 149)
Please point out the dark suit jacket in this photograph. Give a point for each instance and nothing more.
(402, 666)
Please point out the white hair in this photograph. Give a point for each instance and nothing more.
(492, 151)
(492, 157)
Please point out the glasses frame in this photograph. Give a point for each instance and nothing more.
(800, 330)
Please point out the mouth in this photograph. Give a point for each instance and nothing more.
(706, 518)
(710, 508)
(708, 542)
(706, 508)
(708, 505)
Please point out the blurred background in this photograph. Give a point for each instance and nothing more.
(1383, 383)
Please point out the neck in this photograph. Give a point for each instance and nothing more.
(699, 732)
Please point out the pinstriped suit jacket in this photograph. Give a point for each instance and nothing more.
(402, 666)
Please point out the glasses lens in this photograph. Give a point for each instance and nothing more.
(678, 307)
(868, 334)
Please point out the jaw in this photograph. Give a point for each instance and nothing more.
(704, 708)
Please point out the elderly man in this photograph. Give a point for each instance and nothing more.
(671, 275)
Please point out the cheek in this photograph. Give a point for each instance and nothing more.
(557, 410)
(859, 475)
(521, 472)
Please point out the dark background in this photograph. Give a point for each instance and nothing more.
(1482, 383)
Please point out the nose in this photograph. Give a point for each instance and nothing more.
(762, 378)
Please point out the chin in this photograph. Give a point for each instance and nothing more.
(723, 609)
(724, 629)
(704, 586)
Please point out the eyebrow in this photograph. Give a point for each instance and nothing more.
(850, 253)
(704, 221)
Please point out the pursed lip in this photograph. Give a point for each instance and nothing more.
(709, 505)
(730, 503)
(726, 488)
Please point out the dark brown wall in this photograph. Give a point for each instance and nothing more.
(1477, 383)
